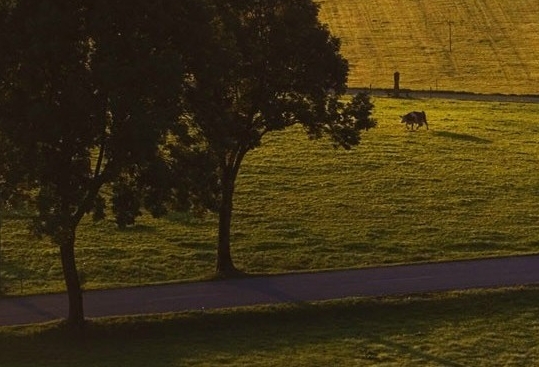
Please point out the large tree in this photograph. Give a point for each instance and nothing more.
(271, 65)
(89, 90)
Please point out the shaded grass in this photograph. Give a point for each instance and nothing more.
(472, 328)
(466, 188)
(493, 46)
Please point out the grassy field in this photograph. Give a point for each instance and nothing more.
(487, 328)
(466, 188)
(487, 46)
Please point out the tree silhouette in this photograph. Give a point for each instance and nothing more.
(89, 90)
(270, 65)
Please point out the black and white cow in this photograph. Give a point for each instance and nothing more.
(415, 117)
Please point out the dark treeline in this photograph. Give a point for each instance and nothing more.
(160, 100)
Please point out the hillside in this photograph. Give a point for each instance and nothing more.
(486, 46)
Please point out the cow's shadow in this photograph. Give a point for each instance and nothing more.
(461, 137)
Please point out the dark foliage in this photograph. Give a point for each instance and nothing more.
(269, 65)
(89, 90)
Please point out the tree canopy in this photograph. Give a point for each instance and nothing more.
(89, 90)
(159, 99)
(272, 65)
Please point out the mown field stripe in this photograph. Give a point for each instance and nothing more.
(491, 48)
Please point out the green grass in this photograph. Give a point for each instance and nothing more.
(472, 328)
(466, 188)
(494, 47)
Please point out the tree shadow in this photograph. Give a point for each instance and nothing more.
(138, 228)
(12, 277)
(186, 218)
(462, 137)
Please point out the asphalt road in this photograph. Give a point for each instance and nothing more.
(291, 288)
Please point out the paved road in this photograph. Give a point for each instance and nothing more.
(390, 280)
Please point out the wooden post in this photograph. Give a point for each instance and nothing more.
(396, 87)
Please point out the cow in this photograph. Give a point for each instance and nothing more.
(415, 117)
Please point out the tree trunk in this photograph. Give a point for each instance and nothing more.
(225, 266)
(75, 317)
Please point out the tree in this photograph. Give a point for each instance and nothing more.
(89, 89)
(270, 65)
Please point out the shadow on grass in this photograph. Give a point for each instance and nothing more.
(462, 137)
(187, 218)
(138, 228)
(12, 278)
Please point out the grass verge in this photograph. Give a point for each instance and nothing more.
(471, 328)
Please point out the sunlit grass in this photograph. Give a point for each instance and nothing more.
(466, 188)
(477, 46)
(485, 328)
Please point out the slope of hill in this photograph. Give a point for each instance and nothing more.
(486, 46)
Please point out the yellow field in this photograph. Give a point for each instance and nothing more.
(486, 46)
